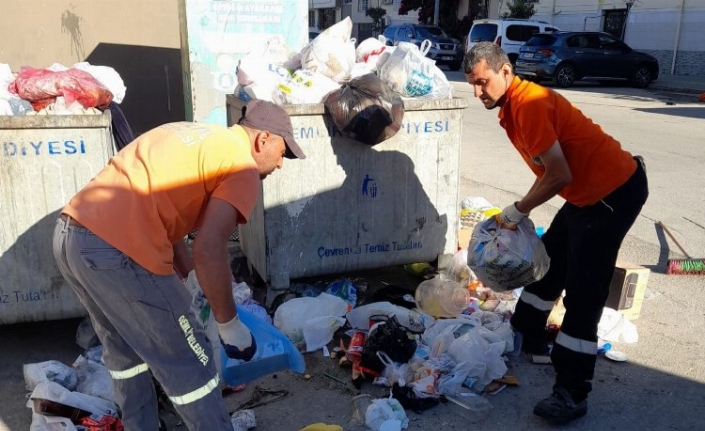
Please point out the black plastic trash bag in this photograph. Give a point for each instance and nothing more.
(387, 336)
(366, 109)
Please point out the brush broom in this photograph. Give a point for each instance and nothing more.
(685, 266)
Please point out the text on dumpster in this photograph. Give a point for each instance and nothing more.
(39, 148)
(383, 247)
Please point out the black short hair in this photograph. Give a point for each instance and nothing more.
(488, 51)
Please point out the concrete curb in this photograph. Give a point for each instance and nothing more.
(677, 89)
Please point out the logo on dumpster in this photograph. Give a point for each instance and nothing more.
(369, 187)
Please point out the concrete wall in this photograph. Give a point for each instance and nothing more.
(139, 38)
(548, 7)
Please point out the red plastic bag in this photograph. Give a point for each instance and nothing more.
(41, 87)
(102, 423)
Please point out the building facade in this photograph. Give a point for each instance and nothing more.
(671, 30)
(362, 24)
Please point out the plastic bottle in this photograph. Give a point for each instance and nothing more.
(603, 348)
(470, 406)
(442, 298)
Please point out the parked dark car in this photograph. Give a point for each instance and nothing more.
(567, 57)
(444, 49)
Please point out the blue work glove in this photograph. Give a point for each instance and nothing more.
(510, 216)
(237, 340)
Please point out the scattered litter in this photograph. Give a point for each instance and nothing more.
(385, 409)
(229, 390)
(470, 406)
(320, 426)
(261, 396)
(508, 380)
(243, 420)
(540, 359)
(616, 328)
(494, 388)
(616, 355)
(52, 371)
(334, 378)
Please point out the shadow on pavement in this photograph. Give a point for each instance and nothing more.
(689, 112)
(627, 395)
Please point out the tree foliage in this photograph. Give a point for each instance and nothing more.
(376, 13)
(425, 9)
(520, 9)
(448, 14)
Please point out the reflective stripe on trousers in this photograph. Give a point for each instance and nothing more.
(576, 344)
(130, 372)
(198, 393)
(536, 302)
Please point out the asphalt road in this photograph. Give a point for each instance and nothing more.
(659, 387)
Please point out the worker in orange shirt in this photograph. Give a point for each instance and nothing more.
(604, 187)
(120, 239)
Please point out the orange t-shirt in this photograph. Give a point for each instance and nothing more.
(536, 117)
(155, 190)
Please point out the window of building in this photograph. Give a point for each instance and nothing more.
(363, 5)
(311, 18)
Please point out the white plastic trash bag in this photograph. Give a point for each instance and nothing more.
(42, 422)
(107, 76)
(616, 328)
(385, 409)
(478, 357)
(293, 317)
(306, 86)
(410, 73)
(332, 52)
(243, 420)
(369, 52)
(319, 331)
(94, 379)
(55, 392)
(49, 371)
(260, 79)
(506, 259)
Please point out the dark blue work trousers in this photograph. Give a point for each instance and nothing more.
(583, 244)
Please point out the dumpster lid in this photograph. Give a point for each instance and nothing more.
(409, 105)
(93, 121)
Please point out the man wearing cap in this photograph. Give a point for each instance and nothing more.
(119, 244)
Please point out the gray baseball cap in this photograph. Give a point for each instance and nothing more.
(267, 116)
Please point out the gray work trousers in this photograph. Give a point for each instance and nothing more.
(145, 323)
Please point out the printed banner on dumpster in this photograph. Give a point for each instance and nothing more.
(216, 34)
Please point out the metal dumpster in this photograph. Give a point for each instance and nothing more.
(349, 206)
(44, 161)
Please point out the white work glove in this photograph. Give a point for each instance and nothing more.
(510, 216)
(237, 340)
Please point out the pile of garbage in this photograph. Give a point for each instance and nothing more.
(446, 339)
(80, 397)
(279, 74)
(82, 89)
(362, 86)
